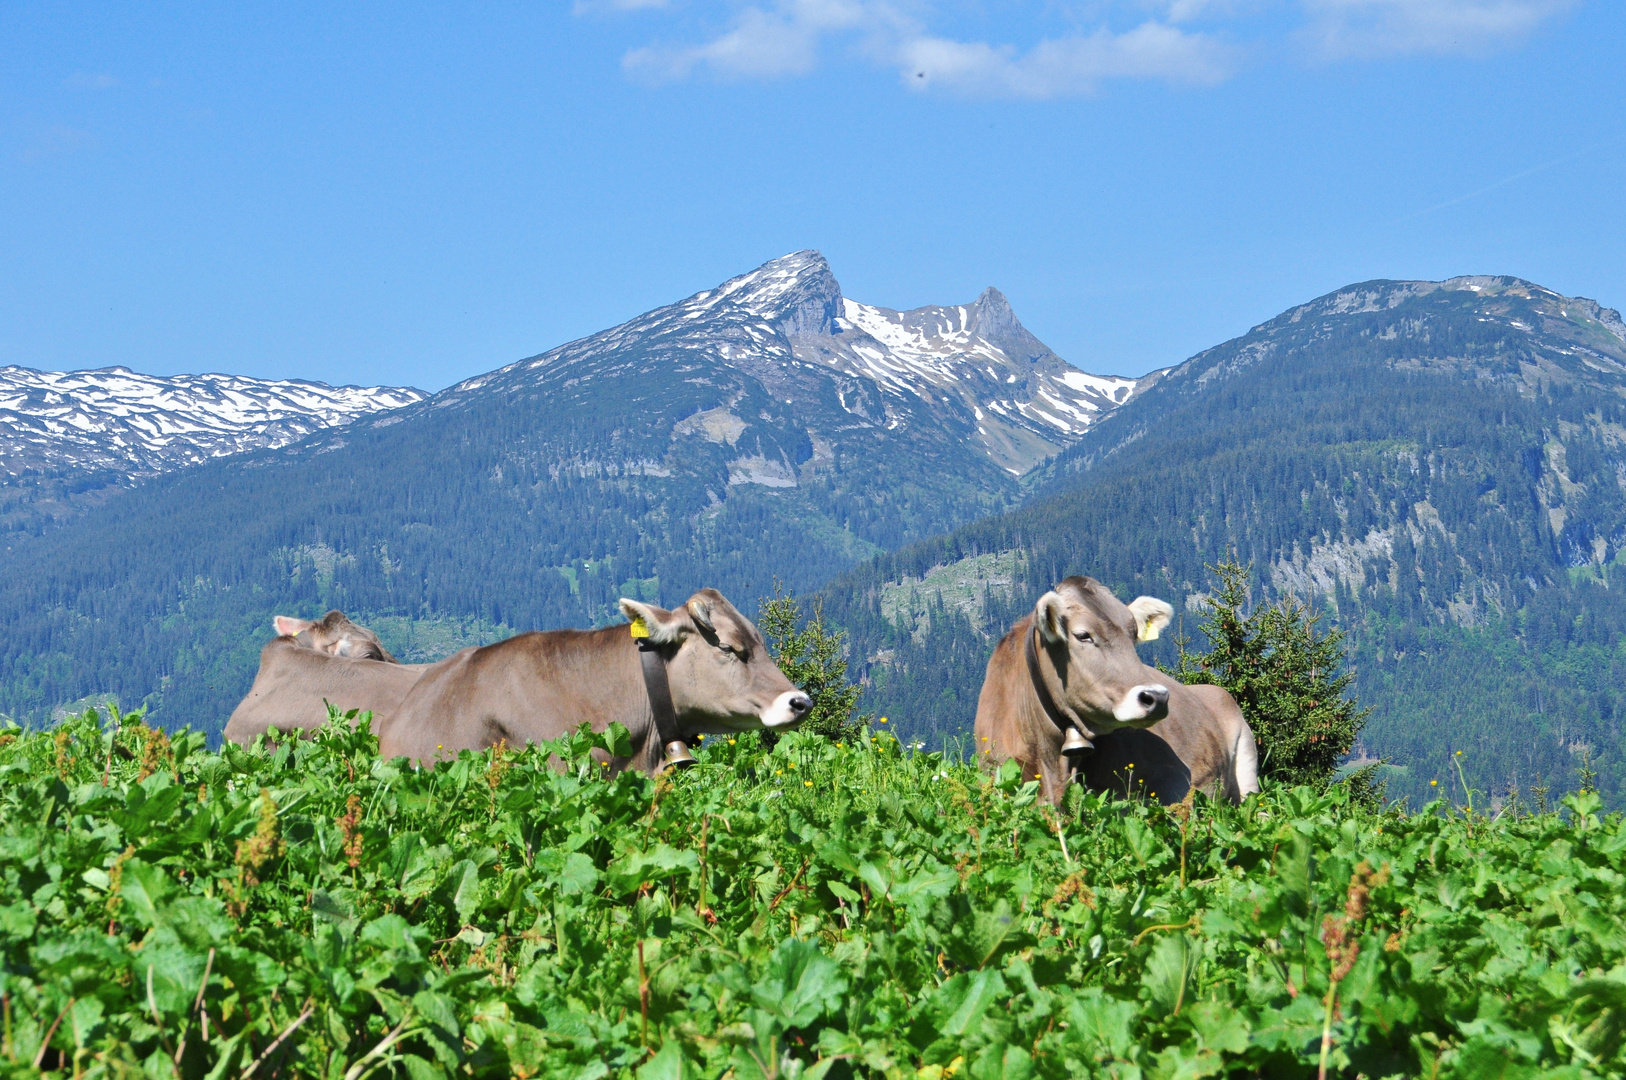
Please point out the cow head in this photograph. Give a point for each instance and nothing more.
(718, 666)
(1089, 636)
(335, 635)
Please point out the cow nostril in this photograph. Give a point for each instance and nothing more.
(800, 704)
(1151, 699)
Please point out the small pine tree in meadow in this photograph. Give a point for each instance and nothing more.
(1289, 679)
(814, 658)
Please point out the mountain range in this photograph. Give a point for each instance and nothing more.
(81, 433)
(1438, 467)
(769, 430)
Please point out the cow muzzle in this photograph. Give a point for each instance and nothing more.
(787, 710)
(1143, 705)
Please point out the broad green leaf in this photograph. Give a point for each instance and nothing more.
(578, 875)
(668, 1064)
(1168, 969)
(1002, 1063)
(389, 932)
(960, 1003)
(616, 741)
(465, 883)
(438, 1009)
(629, 872)
(1101, 1026)
(17, 920)
(1220, 1026)
(1186, 1062)
(87, 1013)
(144, 889)
(980, 940)
(800, 985)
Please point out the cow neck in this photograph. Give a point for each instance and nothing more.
(1047, 703)
(659, 689)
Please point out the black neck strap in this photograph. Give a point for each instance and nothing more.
(660, 693)
(1042, 689)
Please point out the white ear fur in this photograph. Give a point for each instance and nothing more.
(664, 626)
(1151, 616)
(700, 612)
(1047, 613)
(288, 627)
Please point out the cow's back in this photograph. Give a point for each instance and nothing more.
(532, 687)
(294, 685)
(427, 717)
(1204, 743)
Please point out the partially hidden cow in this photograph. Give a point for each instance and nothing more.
(543, 684)
(311, 664)
(1067, 677)
(335, 635)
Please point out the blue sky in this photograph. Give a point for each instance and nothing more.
(413, 194)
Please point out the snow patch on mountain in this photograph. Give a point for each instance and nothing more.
(118, 420)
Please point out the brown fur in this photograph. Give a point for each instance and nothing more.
(543, 684)
(1202, 742)
(295, 683)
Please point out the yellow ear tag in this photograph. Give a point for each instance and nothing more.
(640, 629)
(1148, 632)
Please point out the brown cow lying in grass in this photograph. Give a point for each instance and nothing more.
(1071, 666)
(543, 684)
(310, 664)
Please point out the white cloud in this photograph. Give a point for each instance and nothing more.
(1179, 41)
(789, 39)
(768, 44)
(1373, 28)
(1066, 66)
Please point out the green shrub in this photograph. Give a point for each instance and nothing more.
(1288, 677)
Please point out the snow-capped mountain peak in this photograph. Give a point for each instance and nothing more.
(972, 371)
(114, 419)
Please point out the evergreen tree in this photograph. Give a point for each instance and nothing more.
(1286, 675)
(815, 659)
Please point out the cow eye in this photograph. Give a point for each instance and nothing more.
(1086, 637)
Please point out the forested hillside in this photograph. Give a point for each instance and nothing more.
(754, 432)
(1440, 466)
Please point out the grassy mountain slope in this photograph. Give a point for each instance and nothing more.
(1440, 465)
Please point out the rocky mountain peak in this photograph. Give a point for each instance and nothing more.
(992, 317)
(796, 293)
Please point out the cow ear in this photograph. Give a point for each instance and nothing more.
(657, 624)
(1151, 616)
(1050, 617)
(700, 612)
(287, 627)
